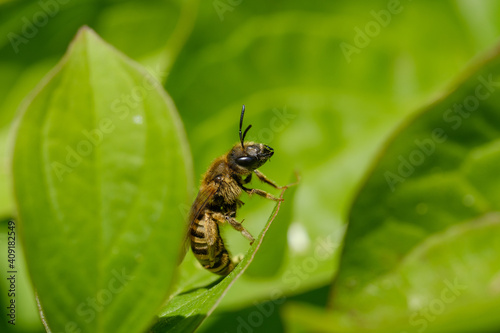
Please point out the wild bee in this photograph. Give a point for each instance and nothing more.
(218, 200)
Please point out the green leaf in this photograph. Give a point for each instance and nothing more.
(5, 195)
(271, 255)
(442, 285)
(436, 174)
(263, 317)
(195, 301)
(27, 318)
(151, 33)
(101, 170)
(322, 115)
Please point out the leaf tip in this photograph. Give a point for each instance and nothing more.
(85, 34)
(84, 30)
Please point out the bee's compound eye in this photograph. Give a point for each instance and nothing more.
(246, 161)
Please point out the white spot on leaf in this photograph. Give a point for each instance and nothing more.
(298, 239)
(138, 119)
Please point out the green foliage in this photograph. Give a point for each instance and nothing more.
(419, 253)
(194, 301)
(320, 89)
(93, 195)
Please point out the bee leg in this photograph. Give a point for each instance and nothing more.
(264, 194)
(235, 224)
(266, 180)
(211, 237)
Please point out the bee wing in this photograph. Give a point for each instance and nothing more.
(204, 195)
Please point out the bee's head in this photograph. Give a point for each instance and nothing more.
(245, 157)
(249, 157)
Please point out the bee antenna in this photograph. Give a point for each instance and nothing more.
(242, 137)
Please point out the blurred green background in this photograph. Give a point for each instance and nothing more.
(323, 94)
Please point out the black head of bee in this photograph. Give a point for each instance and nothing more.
(249, 155)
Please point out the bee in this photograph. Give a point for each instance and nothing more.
(218, 200)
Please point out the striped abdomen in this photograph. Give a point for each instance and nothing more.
(204, 234)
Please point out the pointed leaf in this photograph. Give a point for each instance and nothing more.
(191, 305)
(437, 174)
(100, 170)
(272, 254)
